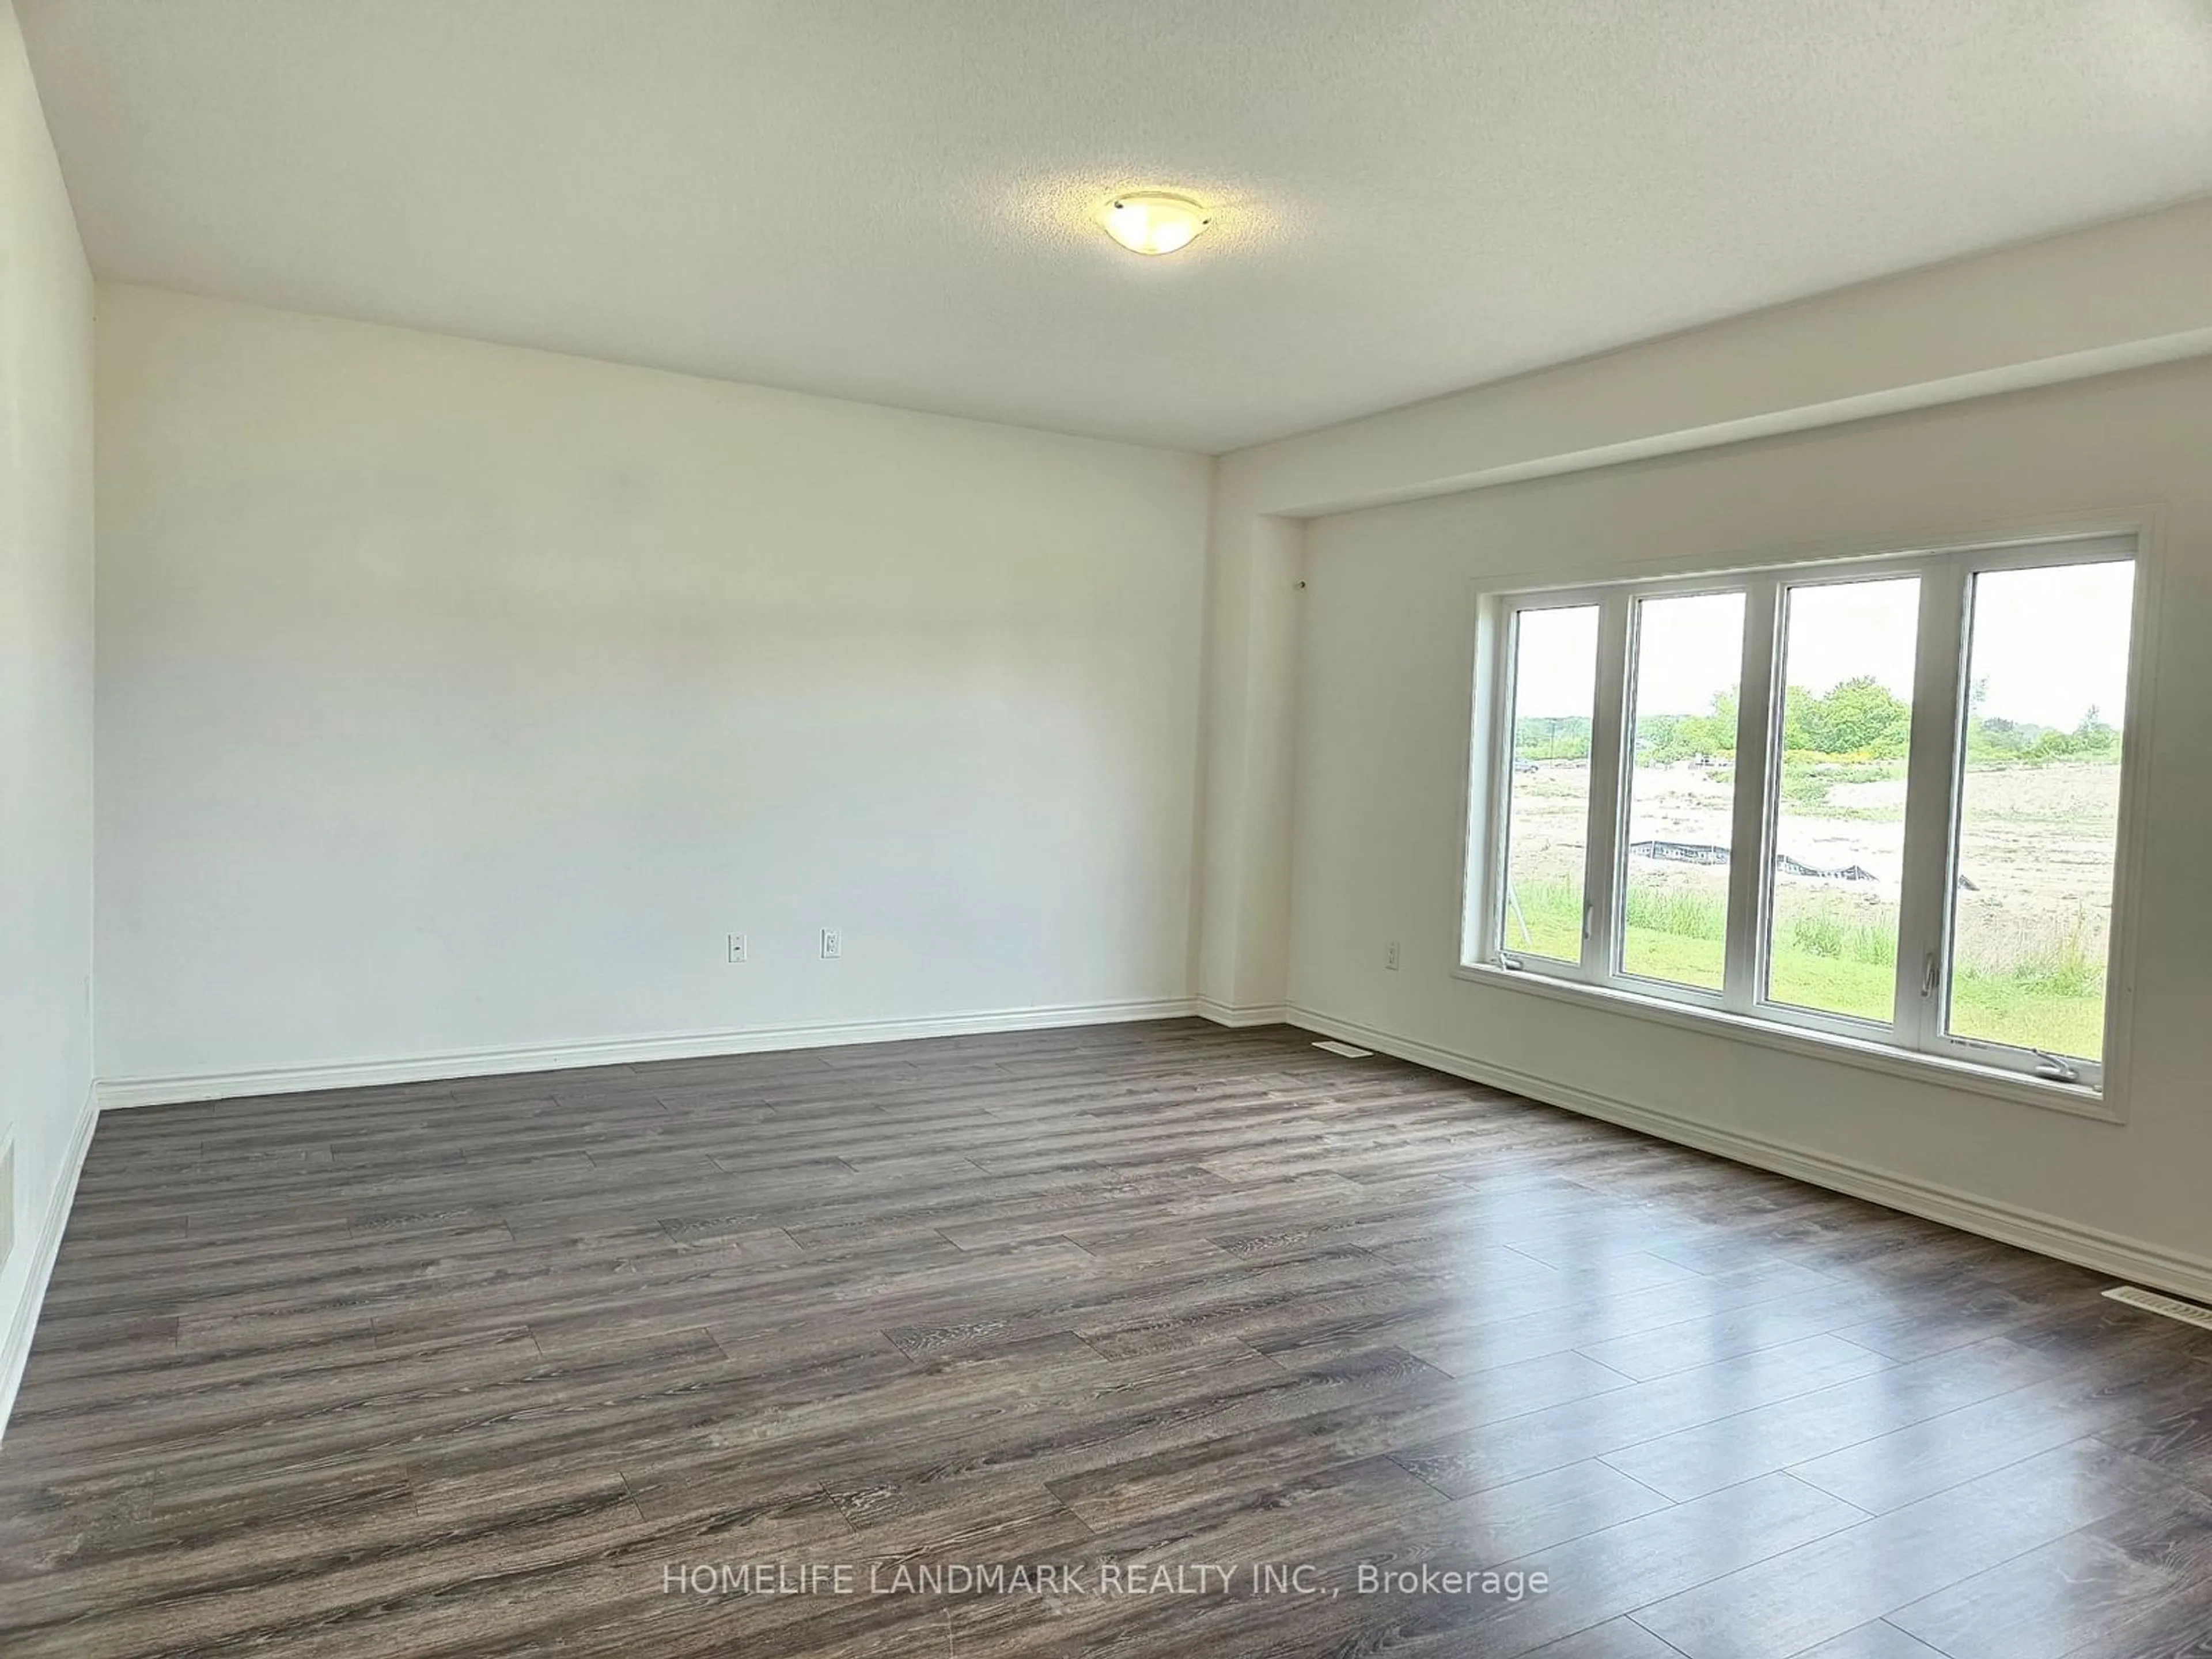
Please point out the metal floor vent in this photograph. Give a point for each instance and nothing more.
(1344, 1048)
(2172, 1306)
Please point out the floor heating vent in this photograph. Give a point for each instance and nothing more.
(1344, 1048)
(2172, 1306)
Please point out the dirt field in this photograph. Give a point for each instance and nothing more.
(2034, 909)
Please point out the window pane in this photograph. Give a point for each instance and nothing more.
(1847, 660)
(1547, 788)
(2038, 806)
(1689, 652)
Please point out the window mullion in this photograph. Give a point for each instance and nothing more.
(1930, 794)
(1750, 856)
(1608, 739)
(1492, 764)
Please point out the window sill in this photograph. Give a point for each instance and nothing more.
(1934, 1069)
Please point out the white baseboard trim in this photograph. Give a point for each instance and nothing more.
(2087, 1247)
(114, 1092)
(24, 1322)
(1223, 1014)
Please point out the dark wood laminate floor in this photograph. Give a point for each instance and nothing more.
(468, 1369)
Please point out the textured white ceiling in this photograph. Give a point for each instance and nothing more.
(891, 199)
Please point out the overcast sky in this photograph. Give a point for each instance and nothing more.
(2051, 643)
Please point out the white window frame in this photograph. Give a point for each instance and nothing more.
(1916, 1043)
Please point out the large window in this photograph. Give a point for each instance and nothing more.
(1876, 799)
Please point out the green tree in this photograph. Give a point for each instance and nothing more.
(1661, 738)
(1551, 737)
(1857, 716)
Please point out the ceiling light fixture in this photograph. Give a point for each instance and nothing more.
(1155, 221)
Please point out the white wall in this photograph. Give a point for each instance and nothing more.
(2117, 296)
(1383, 667)
(45, 689)
(457, 698)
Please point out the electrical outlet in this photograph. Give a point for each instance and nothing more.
(833, 944)
(1390, 956)
(737, 947)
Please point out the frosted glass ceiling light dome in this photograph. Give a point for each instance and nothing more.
(1155, 221)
